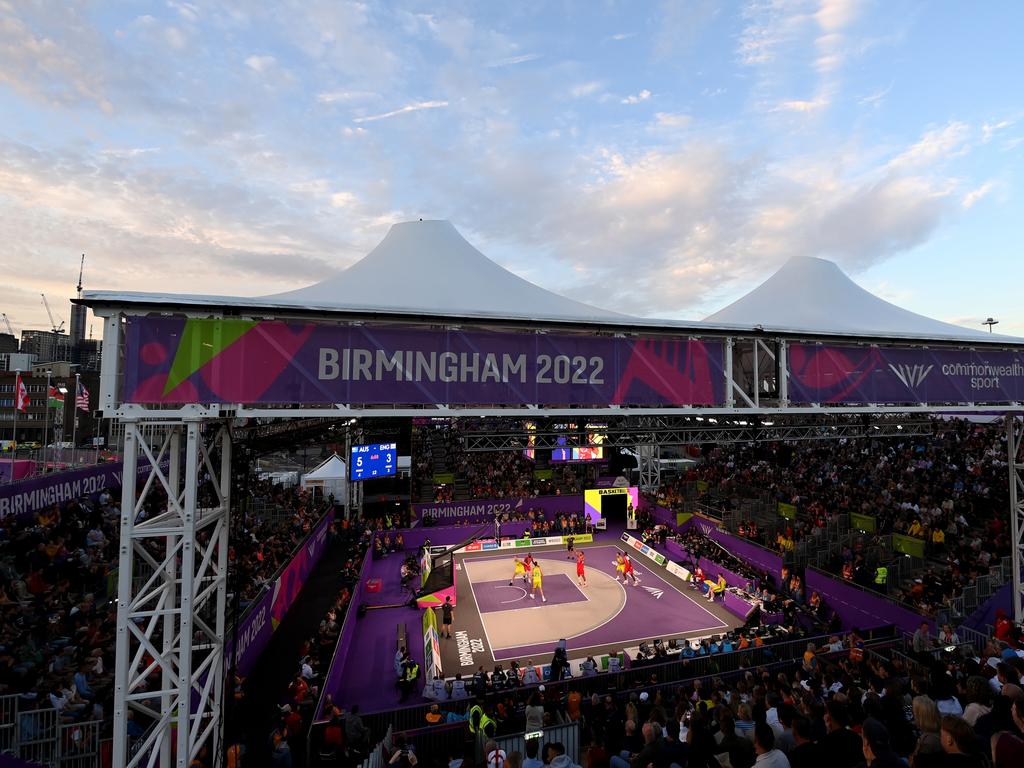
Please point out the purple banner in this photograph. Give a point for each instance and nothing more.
(179, 360)
(858, 607)
(15, 469)
(484, 510)
(263, 616)
(26, 497)
(825, 373)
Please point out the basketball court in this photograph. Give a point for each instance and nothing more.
(496, 622)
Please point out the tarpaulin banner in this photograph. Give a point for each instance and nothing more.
(908, 545)
(826, 373)
(177, 360)
(862, 522)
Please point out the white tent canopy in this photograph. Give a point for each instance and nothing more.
(428, 267)
(810, 295)
(330, 478)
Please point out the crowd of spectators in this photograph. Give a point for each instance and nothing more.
(57, 592)
(841, 706)
(948, 490)
(488, 474)
(347, 543)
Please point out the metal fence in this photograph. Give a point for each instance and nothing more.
(37, 735)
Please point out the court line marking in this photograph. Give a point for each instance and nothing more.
(493, 648)
(622, 587)
(622, 607)
(479, 613)
(506, 586)
(621, 644)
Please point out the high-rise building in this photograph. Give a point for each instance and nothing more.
(77, 324)
(8, 343)
(47, 346)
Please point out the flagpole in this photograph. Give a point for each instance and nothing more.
(46, 422)
(14, 437)
(74, 428)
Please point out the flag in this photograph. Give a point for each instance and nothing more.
(20, 394)
(56, 398)
(82, 398)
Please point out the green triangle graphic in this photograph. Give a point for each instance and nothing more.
(201, 341)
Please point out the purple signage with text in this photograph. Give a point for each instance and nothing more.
(828, 373)
(484, 510)
(26, 497)
(179, 360)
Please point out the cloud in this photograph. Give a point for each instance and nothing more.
(586, 89)
(512, 60)
(644, 95)
(260, 63)
(797, 105)
(988, 130)
(338, 97)
(672, 120)
(951, 140)
(415, 107)
(622, 36)
(977, 194)
(876, 98)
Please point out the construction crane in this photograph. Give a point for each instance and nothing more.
(53, 325)
(7, 323)
(81, 268)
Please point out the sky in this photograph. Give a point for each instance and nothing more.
(658, 159)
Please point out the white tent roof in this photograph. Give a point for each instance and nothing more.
(331, 469)
(428, 267)
(810, 295)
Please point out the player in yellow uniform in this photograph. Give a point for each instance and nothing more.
(538, 582)
(620, 567)
(519, 572)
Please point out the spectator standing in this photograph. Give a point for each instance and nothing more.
(764, 745)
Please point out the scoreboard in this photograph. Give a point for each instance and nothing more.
(375, 460)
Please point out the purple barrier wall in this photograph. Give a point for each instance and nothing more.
(266, 613)
(26, 497)
(484, 510)
(747, 551)
(447, 535)
(858, 607)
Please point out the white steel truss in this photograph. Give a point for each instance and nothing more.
(172, 592)
(1015, 460)
(648, 459)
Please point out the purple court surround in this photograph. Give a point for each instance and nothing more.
(642, 617)
(493, 596)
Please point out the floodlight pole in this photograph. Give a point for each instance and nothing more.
(1015, 462)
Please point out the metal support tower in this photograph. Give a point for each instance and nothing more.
(648, 458)
(172, 591)
(1015, 460)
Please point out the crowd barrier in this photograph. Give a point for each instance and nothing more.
(38, 737)
(633, 678)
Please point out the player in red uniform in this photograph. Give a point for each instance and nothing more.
(581, 573)
(528, 562)
(628, 570)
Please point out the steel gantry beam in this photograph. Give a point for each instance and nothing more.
(698, 430)
(1015, 462)
(172, 590)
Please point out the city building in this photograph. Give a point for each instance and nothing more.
(34, 426)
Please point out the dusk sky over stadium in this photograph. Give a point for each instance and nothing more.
(653, 158)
